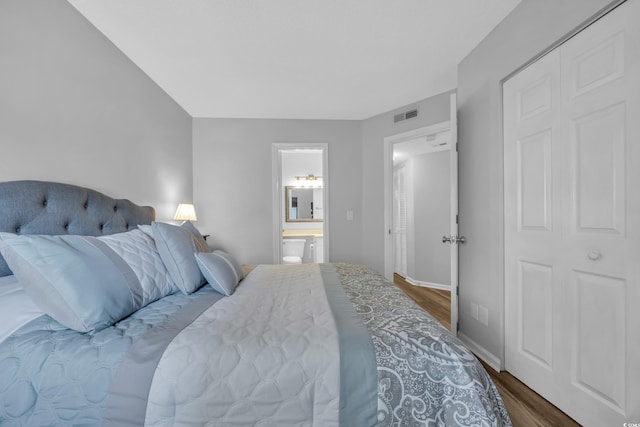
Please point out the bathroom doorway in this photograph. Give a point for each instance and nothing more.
(300, 203)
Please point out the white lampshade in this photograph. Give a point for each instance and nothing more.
(185, 212)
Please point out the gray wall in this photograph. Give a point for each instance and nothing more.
(233, 182)
(431, 111)
(431, 212)
(75, 109)
(533, 26)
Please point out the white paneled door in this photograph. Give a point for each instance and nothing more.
(400, 220)
(572, 222)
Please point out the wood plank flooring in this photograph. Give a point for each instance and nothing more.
(526, 407)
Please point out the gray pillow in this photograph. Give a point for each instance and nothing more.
(146, 229)
(231, 260)
(177, 247)
(79, 281)
(219, 271)
(200, 242)
(139, 251)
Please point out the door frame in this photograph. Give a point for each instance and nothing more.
(277, 193)
(389, 253)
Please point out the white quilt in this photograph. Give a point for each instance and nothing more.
(277, 365)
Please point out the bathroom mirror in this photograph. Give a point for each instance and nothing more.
(303, 204)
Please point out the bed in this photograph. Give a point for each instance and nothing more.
(107, 318)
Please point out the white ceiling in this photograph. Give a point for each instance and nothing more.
(313, 59)
(421, 145)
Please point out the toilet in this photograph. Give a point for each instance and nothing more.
(293, 251)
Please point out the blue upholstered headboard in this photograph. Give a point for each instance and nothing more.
(37, 207)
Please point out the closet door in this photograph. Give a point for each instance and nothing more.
(533, 226)
(572, 222)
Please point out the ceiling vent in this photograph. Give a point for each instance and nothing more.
(411, 114)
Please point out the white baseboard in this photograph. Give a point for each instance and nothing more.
(427, 284)
(491, 360)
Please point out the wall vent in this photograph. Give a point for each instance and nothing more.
(411, 114)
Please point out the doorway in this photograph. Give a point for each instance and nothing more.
(300, 202)
(421, 206)
(421, 195)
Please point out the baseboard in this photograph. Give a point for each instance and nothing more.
(427, 284)
(491, 360)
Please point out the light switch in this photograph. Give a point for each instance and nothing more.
(349, 215)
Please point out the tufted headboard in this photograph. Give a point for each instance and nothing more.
(37, 207)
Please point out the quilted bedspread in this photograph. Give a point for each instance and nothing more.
(266, 356)
(308, 345)
(51, 375)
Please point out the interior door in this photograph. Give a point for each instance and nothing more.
(400, 220)
(572, 228)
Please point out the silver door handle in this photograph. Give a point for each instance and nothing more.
(594, 255)
(454, 239)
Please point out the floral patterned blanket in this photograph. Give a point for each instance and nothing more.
(426, 376)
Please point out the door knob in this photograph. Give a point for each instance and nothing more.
(453, 239)
(594, 255)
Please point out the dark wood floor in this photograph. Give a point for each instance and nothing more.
(526, 407)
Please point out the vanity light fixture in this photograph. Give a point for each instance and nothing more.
(185, 212)
(310, 177)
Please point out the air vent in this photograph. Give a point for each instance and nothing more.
(411, 114)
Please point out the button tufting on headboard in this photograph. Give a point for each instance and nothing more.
(39, 207)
